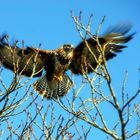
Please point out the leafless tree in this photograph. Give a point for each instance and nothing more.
(25, 115)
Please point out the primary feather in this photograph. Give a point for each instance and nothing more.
(112, 41)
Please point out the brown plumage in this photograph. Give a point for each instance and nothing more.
(55, 82)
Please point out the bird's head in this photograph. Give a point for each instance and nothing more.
(65, 53)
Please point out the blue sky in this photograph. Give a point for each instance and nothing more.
(49, 23)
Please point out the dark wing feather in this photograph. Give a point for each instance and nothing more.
(20, 60)
(84, 59)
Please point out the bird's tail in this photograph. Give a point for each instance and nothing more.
(54, 88)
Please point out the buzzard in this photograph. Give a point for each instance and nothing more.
(55, 83)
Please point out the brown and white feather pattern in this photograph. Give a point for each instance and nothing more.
(54, 88)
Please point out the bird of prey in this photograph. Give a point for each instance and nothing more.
(55, 83)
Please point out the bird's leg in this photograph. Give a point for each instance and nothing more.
(60, 78)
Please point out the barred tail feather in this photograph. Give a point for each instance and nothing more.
(55, 88)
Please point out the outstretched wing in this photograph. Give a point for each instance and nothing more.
(54, 88)
(111, 41)
(27, 61)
